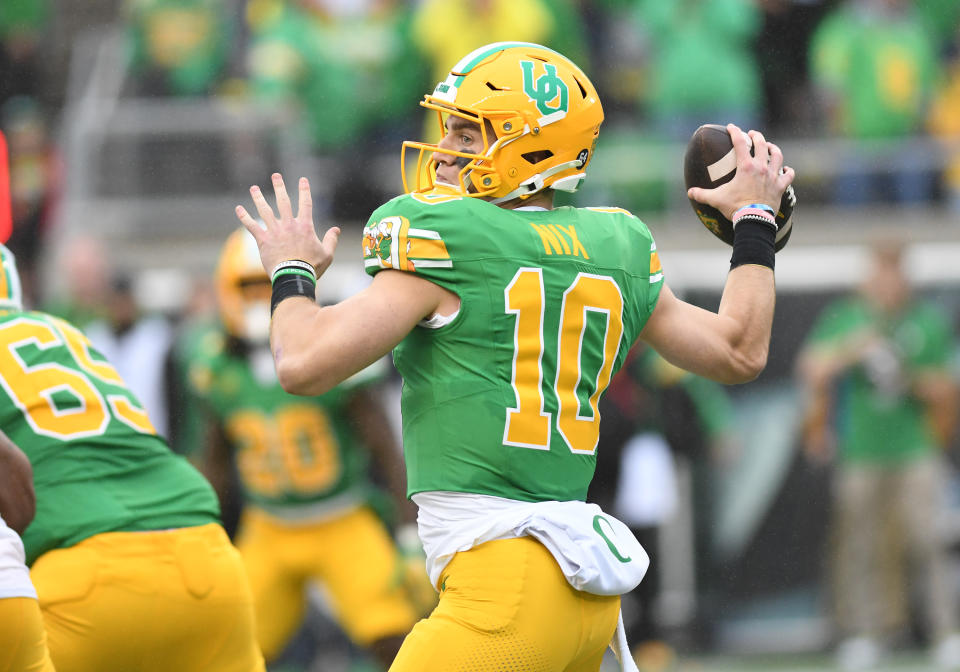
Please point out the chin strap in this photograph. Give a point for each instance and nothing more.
(533, 184)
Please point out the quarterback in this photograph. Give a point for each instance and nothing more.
(131, 566)
(302, 466)
(507, 318)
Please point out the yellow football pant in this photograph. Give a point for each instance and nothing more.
(148, 602)
(23, 643)
(505, 605)
(353, 557)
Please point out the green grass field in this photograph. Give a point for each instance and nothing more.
(901, 662)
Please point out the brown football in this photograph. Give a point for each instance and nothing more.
(709, 162)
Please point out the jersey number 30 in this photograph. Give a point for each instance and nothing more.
(528, 425)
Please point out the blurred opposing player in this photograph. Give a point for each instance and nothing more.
(507, 318)
(302, 465)
(131, 566)
(23, 642)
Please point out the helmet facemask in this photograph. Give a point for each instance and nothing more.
(479, 176)
(243, 290)
(253, 323)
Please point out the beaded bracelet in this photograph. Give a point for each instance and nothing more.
(756, 217)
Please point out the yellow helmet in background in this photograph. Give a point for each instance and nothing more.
(243, 289)
(11, 295)
(544, 113)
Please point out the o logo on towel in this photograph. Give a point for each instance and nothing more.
(597, 519)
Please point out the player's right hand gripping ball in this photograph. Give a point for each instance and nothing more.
(709, 162)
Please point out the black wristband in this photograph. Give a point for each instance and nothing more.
(753, 243)
(288, 285)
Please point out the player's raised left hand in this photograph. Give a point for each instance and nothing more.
(284, 237)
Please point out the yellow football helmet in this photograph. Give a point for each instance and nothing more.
(544, 113)
(243, 289)
(11, 296)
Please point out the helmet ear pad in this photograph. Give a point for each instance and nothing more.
(545, 158)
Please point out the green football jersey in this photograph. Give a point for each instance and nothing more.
(502, 400)
(290, 450)
(98, 464)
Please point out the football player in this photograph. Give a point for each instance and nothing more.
(507, 318)
(131, 566)
(23, 641)
(302, 468)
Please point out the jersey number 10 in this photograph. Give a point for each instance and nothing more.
(528, 425)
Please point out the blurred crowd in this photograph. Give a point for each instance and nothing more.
(881, 72)
(875, 71)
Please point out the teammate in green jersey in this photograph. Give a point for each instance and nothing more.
(507, 318)
(131, 566)
(302, 466)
